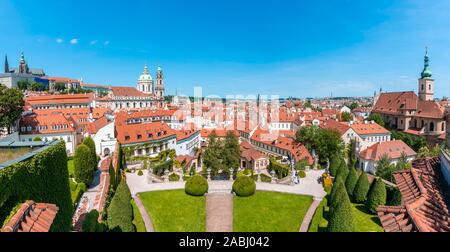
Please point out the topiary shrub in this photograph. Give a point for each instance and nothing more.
(265, 178)
(337, 188)
(342, 218)
(376, 196)
(76, 194)
(302, 174)
(91, 224)
(185, 178)
(196, 186)
(83, 165)
(343, 171)
(244, 186)
(334, 165)
(140, 173)
(361, 188)
(89, 142)
(350, 182)
(120, 211)
(174, 177)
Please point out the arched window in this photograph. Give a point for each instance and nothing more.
(431, 126)
(443, 126)
(422, 87)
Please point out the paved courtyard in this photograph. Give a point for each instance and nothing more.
(308, 186)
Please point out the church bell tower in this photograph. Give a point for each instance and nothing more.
(426, 82)
(159, 88)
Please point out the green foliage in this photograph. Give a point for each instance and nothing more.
(426, 152)
(326, 142)
(415, 142)
(23, 84)
(302, 174)
(385, 169)
(120, 211)
(338, 183)
(77, 192)
(395, 198)
(342, 218)
(376, 196)
(37, 139)
(222, 155)
(161, 168)
(196, 186)
(281, 170)
(351, 150)
(301, 165)
(83, 165)
(376, 118)
(346, 117)
(11, 106)
(308, 136)
(59, 86)
(244, 186)
(44, 178)
(265, 178)
(354, 105)
(112, 176)
(318, 216)
(335, 163)
(361, 188)
(350, 182)
(89, 142)
(231, 151)
(343, 171)
(91, 224)
(140, 173)
(174, 177)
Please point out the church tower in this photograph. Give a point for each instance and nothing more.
(6, 64)
(159, 89)
(426, 83)
(145, 82)
(23, 66)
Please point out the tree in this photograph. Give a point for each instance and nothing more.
(335, 163)
(361, 188)
(351, 181)
(91, 144)
(301, 165)
(83, 165)
(11, 106)
(376, 118)
(59, 86)
(91, 224)
(385, 169)
(212, 157)
(351, 150)
(112, 176)
(354, 105)
(120, 211)
(23, 84)
(231, 151)
(396, 199)
(346, 117)
(335, 190)
(342, 172)
(341, 213)
(308, 136)
(376, 196)
(329, 144)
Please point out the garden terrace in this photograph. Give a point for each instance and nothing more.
(425, 208)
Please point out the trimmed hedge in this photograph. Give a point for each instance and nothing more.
(376, 196)
(244, 186)
(83, 165)
(281, 170)
(343, 171)
(91, 224)
(140, 173)
(44, 178)
(342, 218)
(350, 182)
(89, 142)
(196, 186)
(174, 177)
(302, 174)
(361, 188)
(120, 211)
(76, 194)
(334, 166)
(265, 178)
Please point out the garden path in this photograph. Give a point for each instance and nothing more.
(219, 212)
(309, 215)
(145, 217)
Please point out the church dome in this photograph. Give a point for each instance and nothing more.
(145, 76)
(426, 73)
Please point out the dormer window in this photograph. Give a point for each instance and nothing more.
(139, 136)
(127, 138)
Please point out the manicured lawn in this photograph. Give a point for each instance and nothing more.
(71, 168)
(175, 211)
(365, 222)
(270, 212)
(137, 218)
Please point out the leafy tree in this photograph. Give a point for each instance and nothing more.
(11, 106)
(415, 142)
(301, 165)
(120, 211)
(83, 165)
(89, 142)
(402, 163)
(23, 84)
(212, 157)
(231, 151)
(354, 105)
(376, 118)
(329, 144)
(91, 224)
(36, 86)
(351, 150)
(341, 213)
(376, 196)
(59, 86)
(308, 136)
(361, 188)
(346, 117)
(350, 182)
(385, 168)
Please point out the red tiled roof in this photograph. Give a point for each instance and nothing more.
(394, 149)
(248, 152)
(137, 133)
(424, 208)
(127, 91)
(368, 128)
(95, 126)
(48, 123)
(335, 125)
(32, 217)
(59, 99)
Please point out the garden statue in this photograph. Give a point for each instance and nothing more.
(231, 174)
(208, 172)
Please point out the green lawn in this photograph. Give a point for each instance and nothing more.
(365, 222)
(137, 218)
(175, 211)
(71, 168)
(270, 212)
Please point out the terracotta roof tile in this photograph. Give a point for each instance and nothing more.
(32, 217)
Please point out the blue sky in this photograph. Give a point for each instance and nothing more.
(287, 48)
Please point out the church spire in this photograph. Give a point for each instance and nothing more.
(426, 73)
(6, 64)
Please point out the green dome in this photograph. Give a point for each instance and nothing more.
(426, 73)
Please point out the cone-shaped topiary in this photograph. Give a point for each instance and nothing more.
(376, 196)
(341, 217)
(350, 182)
(91, 224)
(337, 182)
(336, 196)
(83, 165)
(120, 211)
(244, 186)
(334, 165)
(196, 186)
(342, 172)
(361, 188)
(89, 142)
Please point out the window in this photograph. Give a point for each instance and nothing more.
(127, 138)
(139, 136)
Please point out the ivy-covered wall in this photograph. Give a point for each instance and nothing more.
(45, 179)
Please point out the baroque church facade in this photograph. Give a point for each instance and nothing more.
(417, 114)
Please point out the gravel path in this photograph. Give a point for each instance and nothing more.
(145, 217)
(309, 215)
(219, 212)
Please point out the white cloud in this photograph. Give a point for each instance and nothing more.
(74, 41)
(59, 40)
(107, 42)
(93, 42)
